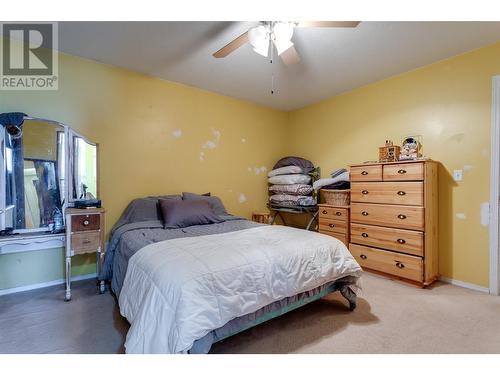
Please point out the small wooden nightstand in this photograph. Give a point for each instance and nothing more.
(334, 221)
(260, 217)
(84, 234)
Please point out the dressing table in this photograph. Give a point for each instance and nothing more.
(45, 167)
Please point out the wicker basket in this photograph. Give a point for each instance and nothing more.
(335, 197)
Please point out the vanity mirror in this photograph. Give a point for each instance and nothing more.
(44, 167)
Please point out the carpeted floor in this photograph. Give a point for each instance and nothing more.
(391, 318)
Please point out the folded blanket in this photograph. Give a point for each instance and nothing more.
(291, 169)
(341, 185)
(289, 179)
(337, 172)
(306, 165)
(292, 200)
(329, 181)
(295, 189)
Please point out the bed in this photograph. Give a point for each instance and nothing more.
(184, 289)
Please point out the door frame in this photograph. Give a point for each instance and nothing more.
(495, 189)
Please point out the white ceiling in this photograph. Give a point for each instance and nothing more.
(333, 60)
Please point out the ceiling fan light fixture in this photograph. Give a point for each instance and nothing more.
(259, 39)
(282, 46)
(282, 32)
(262, 48)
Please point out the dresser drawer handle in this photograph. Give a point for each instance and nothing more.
(364, 173)
(401, 192)
(401, 241)
(365, 235)
(402, 217)
(85, 223)
(338, 213)
(86, 241)
(402, 171)
(400, 265)
(363, 256)
(364, 213)
(364, 192)
(324, 212)
(331, 225)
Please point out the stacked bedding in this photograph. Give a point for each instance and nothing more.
(338, 180)
(291, 184)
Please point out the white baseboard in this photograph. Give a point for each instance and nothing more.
(463, 284)
(46, 284)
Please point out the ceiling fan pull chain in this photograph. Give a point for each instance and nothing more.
(272, 70)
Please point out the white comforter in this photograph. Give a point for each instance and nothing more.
(177, 291)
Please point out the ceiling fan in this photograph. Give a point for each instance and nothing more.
(276, 34)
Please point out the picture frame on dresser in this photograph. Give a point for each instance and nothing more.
(394, 219)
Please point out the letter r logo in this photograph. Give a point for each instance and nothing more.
(27, 49)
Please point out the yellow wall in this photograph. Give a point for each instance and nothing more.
(133, 117)
(449, 103)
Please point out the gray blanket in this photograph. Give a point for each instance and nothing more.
(129, 238)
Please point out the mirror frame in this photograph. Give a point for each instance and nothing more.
(69, 134)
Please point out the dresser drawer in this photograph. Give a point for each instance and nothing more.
(366, 173)
(329, 225)
(85, 242)
(405, 193)
(85, 222)
(405, 217)
(342, 237)
(404, 172)
(333, 213)
(405, 241)
(405, 266)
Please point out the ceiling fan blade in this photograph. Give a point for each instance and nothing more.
(232, 46)
(290, 56)
(328, 23)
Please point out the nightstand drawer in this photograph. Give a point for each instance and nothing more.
(85, 242)
(339, 236)
(329, 225)
(333, 213)
(81, 223)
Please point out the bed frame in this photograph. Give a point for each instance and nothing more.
(343, 287)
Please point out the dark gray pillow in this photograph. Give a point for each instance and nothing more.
(184, 213)
(142, 209)
(214, 202)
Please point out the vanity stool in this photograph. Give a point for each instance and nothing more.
(84, 234)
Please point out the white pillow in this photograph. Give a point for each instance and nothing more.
(291, 169)
(288, 179)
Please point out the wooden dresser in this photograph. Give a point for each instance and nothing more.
(394, 219)
(84, 234)
(334, 221)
